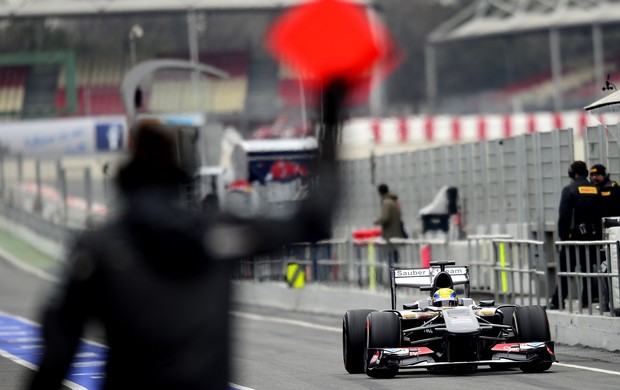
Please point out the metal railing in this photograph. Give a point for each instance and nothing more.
(520, 271)
(591, 272)
(362, 263)
(481, 261)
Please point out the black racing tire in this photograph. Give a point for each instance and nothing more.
(354, 340)
(507, 312)
(507, 315)
(383, 331)
(531, 324)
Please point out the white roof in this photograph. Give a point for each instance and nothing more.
(26, 8)
(610, 103)
(492, 18)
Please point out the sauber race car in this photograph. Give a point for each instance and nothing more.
(444, 331)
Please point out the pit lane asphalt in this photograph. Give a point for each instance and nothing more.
(283, 350)
(280, 350)
(21, 294)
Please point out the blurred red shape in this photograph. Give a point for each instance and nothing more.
(324, 40)
(366, 234)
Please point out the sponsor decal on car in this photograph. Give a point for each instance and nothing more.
(419, 351)
(518, 347)
(375, 358)
(404, 273)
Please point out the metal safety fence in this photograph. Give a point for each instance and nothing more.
(512, 270)
(521, 272)
(361, 263)
(588, 270)
(481, 261)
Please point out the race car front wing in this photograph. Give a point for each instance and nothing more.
(509, 354)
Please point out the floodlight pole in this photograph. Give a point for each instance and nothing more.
(430, 59)
(135, 33)
(598, 53)
(556, 68)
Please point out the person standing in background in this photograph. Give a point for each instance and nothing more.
(609, 190)
(610, 195)
(390, 221)
(579, 219)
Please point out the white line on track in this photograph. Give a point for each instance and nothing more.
(305, 324)
(286, 321)
(588, 368)
(26, 267)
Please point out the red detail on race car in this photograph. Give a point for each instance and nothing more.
(375, 357)
(417, 351)
(512, 347)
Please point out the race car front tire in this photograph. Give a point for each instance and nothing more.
(354, 340)
(383, 331)
(531, 324)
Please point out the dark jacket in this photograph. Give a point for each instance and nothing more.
(580, 211)
(390, 217)
(158, 280)
(610, 192)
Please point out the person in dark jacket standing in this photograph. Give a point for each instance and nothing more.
(609, 190)
(579, 219)
(156, 276)
(610, 197)
(390, 221)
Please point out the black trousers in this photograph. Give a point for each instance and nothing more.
(570, 256)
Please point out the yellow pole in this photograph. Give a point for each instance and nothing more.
(502, 263)
(372, 275)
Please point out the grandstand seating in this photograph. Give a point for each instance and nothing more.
(12, 84)
(173, 90)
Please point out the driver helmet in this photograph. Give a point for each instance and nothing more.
(445, 297)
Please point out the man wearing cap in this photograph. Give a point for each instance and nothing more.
(579, 219)
(609, 190)
(610, 194)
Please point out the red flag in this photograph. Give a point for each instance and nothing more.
(326, 40)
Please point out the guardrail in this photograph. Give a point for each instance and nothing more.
(36, 224)
(515, 271)
(481, 261)
(591, 270)
(362, 263)
(520, 271)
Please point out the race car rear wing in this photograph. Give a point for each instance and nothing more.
(423, 278)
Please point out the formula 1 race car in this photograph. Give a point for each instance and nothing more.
(444, 332)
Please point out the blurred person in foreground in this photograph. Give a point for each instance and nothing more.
(157, 275)
(579, 219)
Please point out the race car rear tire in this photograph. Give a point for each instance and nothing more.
(383, 331)
(354, 340)
(531, 324)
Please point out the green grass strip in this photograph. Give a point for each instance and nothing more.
(24, 251)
